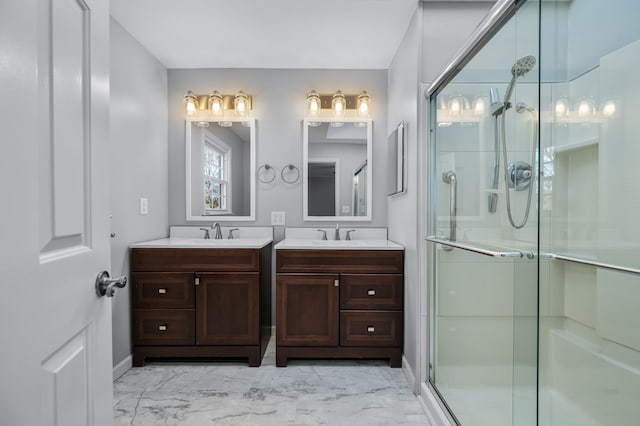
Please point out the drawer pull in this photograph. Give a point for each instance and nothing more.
(371, 292)
(162, 327)
(162, 290)
(371, 329)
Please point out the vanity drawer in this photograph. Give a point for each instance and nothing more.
(340, 261)
(163, 290)
(198, 259)
(164, 327)
(371, 291)
(370, 328)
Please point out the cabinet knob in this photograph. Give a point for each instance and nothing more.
(162, 327)
(336, 283)
(371, 329)
(197, 281)
(162, 290)
(371, 292)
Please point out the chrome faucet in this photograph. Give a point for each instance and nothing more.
(336, 235)
(206, 233)
(216, 227)
(230, 236)
(349, 234)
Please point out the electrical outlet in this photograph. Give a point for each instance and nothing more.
(278, 218)
(144, 206)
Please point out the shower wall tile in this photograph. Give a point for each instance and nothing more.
(474, 351)
(580, 294)
(476, 289)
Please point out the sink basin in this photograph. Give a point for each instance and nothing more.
(290, 243)
(202, 243)
(339, 243)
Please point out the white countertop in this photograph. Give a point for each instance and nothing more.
(178, 242)
(299, 244)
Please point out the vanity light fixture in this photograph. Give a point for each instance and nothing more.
(217, 105)
(337, 105)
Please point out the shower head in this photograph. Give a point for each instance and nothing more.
(520, 68)
(523, 66)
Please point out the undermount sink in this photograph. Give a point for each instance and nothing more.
(178, 242)
(338, 244)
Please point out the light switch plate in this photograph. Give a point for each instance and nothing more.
(346, 209)
(278, 218)
(144, 205)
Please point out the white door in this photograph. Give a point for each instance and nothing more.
(55, 332)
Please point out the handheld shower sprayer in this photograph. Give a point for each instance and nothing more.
(520, 171)
(520, 68)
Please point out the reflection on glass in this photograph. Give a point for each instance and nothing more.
(219, 170)
(337, 179)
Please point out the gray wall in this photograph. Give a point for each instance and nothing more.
(139, 163)
(402, 209)
(436, 32)
(279, 105)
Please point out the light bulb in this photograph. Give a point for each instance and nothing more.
(313, 101)
(609, 109)
(240, 103)
(363, 104)
(479, 106)
(216, 104)
(338, 104)
(190, 103)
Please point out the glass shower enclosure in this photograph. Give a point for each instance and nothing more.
(534, 197)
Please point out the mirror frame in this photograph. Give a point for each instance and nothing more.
(252, 161)
(305, 170)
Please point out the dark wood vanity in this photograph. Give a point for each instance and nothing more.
(201, 302)
(339, 304)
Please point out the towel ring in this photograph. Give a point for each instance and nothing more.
(270, 176)
(290, 168)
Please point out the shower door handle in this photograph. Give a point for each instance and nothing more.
(450, 178)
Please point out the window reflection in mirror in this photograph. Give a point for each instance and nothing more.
(220, 164)
(337, 158)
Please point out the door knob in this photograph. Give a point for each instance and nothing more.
(106, 286)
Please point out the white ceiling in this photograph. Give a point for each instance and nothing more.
(319, 34)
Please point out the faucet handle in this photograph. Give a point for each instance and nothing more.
(349, 234)
(230, 236)
(324, 233)
(206, 233)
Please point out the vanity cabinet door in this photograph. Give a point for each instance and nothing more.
(228, 308)
(307, 309)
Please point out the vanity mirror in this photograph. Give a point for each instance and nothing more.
(220, 169)
(337, 160)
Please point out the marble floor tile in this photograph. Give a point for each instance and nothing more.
(306, 392)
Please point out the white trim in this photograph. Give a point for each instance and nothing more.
(435, 414)
(122, 367)
(408, 372)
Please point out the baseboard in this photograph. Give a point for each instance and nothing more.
(408, 372)
(435, 413)
(122, 367)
